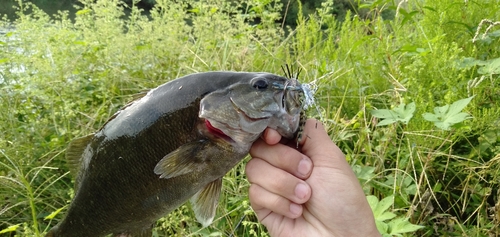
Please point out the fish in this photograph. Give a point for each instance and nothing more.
(172, 144)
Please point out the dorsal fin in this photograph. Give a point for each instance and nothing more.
(135, 98)
(74, 153)
(139, 95)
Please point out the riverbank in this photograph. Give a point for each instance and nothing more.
(391, 93)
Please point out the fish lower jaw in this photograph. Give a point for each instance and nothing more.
(216, 132)
(235, 136)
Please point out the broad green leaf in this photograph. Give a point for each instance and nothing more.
(384, 113)
(441, 111)
(470, 62)
(423, 51)
(402, 113)
(410, 108)
(386, 122)
(11, 228)
(408, 112)
(408, 48)
(389, 116)
(430, 117)
(372, 201)
(495, 34)
(446, 116)
(457, 118)
(491, 67)
(411, 189)
(402, 225)
(382, 227)
(442, 125)
(364, 172)
(383, 205)
(400, 109)
(394, 227)
(386, 216)
(459, 105)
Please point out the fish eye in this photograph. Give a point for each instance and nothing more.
(260, 84)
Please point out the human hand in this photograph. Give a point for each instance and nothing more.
(307, 192)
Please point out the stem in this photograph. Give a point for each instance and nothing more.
(32, 203)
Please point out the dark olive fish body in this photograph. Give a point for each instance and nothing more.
(174, 143)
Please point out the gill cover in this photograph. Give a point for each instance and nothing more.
(244, 110)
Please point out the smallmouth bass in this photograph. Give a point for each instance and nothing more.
(173, 144)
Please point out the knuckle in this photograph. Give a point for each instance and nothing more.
(252, 167)
(253, 193)
(286, 157)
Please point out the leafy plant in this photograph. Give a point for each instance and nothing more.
(384, 219)
(62, 76)
(25, 191)
(486, 67)
(401, 113)
(11, 228)
(446, 116)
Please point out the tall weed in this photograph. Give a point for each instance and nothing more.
(62, 78)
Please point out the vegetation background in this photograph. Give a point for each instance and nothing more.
(408, 89)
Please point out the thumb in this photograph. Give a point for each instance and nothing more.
(317, 145)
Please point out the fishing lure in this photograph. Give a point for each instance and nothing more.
(305, 97)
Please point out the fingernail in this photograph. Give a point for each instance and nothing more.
(305, 166)
(301, 191)
(295, 209)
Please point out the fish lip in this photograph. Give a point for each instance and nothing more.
(217, 132)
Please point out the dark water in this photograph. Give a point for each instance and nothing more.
(51, 7)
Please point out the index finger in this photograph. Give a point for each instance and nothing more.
(271, 136)
(283, 157)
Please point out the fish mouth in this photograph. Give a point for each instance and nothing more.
(215, 131)
(248, 130)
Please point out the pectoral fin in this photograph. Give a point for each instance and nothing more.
(188, 158)
(204, 202)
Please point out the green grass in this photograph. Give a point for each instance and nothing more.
(61, 79)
